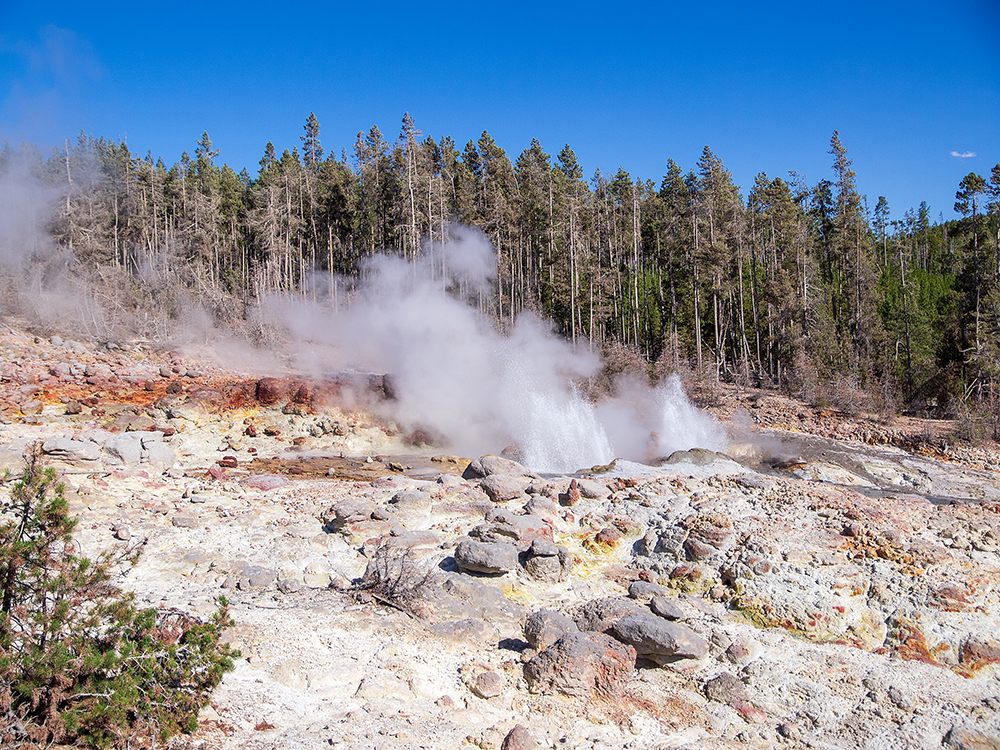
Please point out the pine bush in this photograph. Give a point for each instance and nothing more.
(80, 663)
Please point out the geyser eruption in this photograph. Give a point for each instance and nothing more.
(455, 375)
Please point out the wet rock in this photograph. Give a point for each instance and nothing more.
(658, 639)
(547, 626)
(581, 665)
(489, 558)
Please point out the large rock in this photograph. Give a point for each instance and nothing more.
(502, 488)
(158, 456)
(548, 561)
(481, 557)
(124, 448)
(270, 391)
(600, 614)
(504, 526)
(547, 626)
(71, 451)
(658, 639)
(581, 665)
(494, 465)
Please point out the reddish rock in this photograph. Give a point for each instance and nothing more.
(270, 391)
(580, 665)
(608, 536)
(572, 494)
(977, 652)
(302, 393)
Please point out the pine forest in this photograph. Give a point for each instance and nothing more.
(806, 288)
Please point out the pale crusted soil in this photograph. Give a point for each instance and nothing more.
(848, 578)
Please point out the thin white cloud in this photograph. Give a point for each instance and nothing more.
(963, 155)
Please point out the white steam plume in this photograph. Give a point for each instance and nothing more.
(455, 375)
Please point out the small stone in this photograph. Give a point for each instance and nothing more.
(289, 585)
(644, 591)
(666, 607)
(726, 688)
(122, 532)
(486, 684)
(519, 738)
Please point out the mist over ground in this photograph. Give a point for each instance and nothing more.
(425, 321)
(456, 376)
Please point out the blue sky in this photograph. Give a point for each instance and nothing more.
(908, 84)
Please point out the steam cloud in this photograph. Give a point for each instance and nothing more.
(455, 375)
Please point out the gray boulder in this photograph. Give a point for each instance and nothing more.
(600, 614)
(547, 626)
(71, 451)
(666, 607)
(482, 557)
(548, 561)
(643, 591)
(658, 639)
(494, 465)
(124, 448)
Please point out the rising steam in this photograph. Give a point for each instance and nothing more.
(454, 375)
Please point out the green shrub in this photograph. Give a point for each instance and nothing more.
(79, 662)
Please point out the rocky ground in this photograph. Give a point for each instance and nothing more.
(828, 583)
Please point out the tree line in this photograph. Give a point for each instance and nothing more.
(798, 286)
